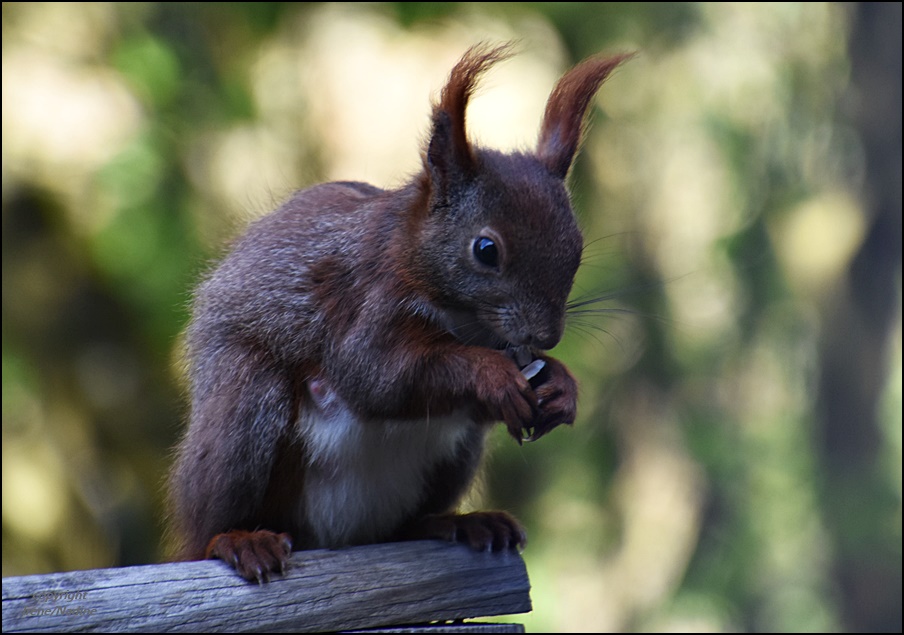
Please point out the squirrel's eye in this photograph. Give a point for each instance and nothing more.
(486, 252)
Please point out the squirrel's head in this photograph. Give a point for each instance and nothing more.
(497, 240)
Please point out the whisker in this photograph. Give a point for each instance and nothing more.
(589, 330)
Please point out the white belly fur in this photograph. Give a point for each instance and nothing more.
(364, 478)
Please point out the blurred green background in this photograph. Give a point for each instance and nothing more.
(737, 461)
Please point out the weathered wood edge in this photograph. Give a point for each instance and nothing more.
(457, 627)
(324, 590)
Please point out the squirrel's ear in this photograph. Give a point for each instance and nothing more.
(563, 122)
(449, 155)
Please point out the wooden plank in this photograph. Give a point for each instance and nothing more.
(324, 590)
(446, 627)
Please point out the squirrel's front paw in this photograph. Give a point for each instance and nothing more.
(557, 398)
(254, 554)
(506, 394)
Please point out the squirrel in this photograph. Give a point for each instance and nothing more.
(348, 356)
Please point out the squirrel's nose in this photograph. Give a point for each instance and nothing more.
(546, 338)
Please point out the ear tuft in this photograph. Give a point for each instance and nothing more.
(448, 151)
(563, 122)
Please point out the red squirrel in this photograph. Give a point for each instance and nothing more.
(349, 355)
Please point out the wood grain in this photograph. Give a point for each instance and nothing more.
(324, 590)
